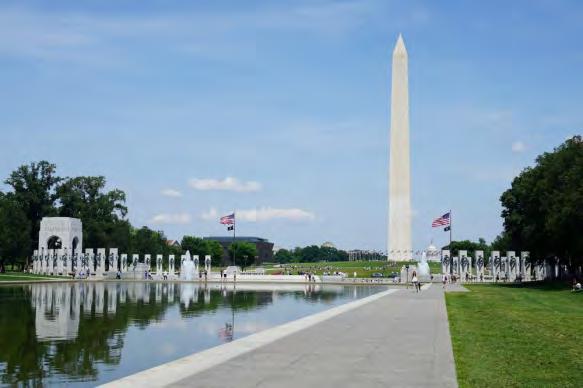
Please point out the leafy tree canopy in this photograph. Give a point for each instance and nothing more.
(310, 254)
(242, 254)
(543, 209)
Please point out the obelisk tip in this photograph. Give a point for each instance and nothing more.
(400, 46)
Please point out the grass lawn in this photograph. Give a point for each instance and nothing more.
(517, 336)
(19, 276)
(363, 269)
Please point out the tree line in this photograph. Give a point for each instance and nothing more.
(310, 254)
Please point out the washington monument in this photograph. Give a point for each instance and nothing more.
(399, 241)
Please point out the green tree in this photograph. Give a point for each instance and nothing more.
(471, 247)
(202, 247)
(15, 240)
(101, 212)
(283, 256)
(543, 209)
(148, 241)
(217, 252)
(33, 188)
(242, 254)
(501, 243)
(195, 245)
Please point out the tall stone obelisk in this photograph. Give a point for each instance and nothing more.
(399, 229)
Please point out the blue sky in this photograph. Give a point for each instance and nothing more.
(289, 101)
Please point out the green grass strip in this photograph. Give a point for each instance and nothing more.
(517, 336)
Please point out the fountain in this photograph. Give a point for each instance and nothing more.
(423, 267)
(187, 270)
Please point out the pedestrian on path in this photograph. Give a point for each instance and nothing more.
(415, 281)
(444, 280)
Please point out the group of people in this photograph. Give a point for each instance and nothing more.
(224, 276)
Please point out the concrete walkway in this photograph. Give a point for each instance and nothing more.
(400, 340)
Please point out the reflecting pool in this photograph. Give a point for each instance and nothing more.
(90, 333)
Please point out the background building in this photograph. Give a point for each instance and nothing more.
(264, 247)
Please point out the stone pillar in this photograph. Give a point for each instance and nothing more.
(504, 268)
(480, 266)
(463, 265)
(53, 270)
(42, 262)
(61, 265)
(90, 256)
(68, 262)
(171, 265)
(135, 260)
(528, 270)
(159, 265)
(496, 265)
(196, 266)
(75, 260)
(124, 262)
(445, 262)
(46, 261)
(540, 270)
(148, 261)
(113, 254)
(101, 257)
(50, 254)
(49, 265)
(34, 261)
(456, 266)
(512, 268)
(525, 267)
(207, 264)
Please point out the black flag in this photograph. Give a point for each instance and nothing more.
(230, 227)
(446, 228)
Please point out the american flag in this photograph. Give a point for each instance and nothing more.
(441, 221)
(228, 220)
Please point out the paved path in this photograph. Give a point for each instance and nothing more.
(400, 340)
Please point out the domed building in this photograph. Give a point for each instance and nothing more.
(328, 244)
(432, 253)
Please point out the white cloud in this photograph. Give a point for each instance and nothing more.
(269, 213)
(518, 147)
(227, 184)
(171, 193)
(171, 219)
(210, 215)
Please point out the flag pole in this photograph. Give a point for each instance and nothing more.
(234, 246)
(450, 247)
(450, 224)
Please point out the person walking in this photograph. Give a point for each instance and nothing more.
(414, 280)
(444, 280)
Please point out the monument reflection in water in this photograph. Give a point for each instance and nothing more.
(93, 332)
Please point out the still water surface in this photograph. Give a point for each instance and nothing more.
(83, 334)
